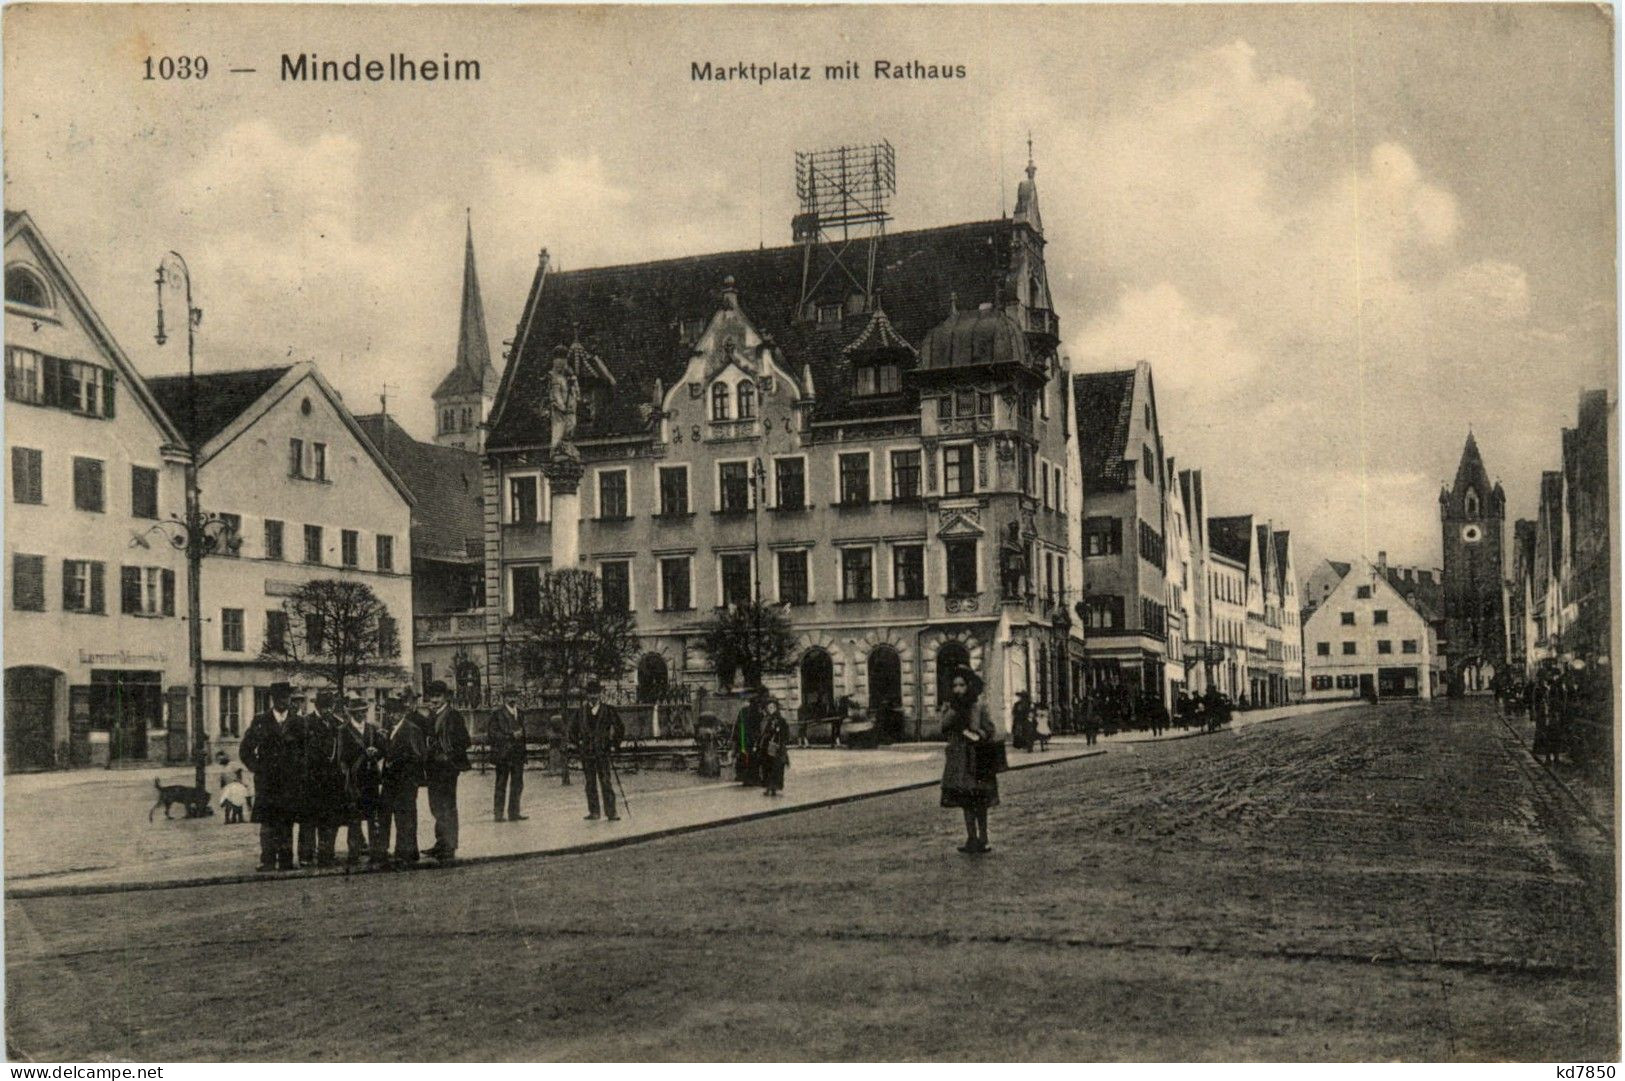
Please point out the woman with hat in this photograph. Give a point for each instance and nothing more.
(966, 726)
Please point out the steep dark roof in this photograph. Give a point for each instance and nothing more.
(1471, 470)
(1283, 544)
(1104, 403)
(221, 398)
(632, 316)
(11, 216)
(1342, 569)
(1423, 590)
(1230, 536)
(445, 486)
(473, 372)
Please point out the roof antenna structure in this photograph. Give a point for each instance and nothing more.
(844, 192)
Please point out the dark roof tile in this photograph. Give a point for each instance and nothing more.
(1104, 406)
(221, 398)
(445, 486)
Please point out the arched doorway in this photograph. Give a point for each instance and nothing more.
(817, 683)
(30, 718)
(652, 683)
(952, 655)
(886, 690)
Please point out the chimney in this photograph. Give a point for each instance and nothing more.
(1382, 562)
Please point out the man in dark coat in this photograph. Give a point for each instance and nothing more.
(598, 731)
(360, 756)
(447, 735)
(505, 733)
(323, 810)
(273, 751)
(406, 754)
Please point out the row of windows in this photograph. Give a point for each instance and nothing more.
(313, 544)
(74, 385)
(855, 575)
(1343, 683)
(736, 488)
(89, 483)
(455, 419)
(143, 591)
(1227, 588)
(1379, 616)
(722, 398)
(1351, 649)
(312, 640)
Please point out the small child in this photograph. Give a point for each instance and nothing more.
(234, 798)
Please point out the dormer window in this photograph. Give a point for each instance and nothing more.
(27, 288)
(829, 314)
(719, 401)
(880, 377)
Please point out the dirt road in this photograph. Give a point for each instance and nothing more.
(1394, 882)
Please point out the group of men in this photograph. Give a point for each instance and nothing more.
(319, 771)
(328, 768)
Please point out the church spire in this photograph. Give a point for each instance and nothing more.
(473, 349)
(1027, 194)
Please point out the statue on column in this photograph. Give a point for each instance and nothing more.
(563, 396)
(1013, 561)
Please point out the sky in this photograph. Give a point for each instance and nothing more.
(1343, 236)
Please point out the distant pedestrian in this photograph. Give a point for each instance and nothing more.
(966, 726)
(447, 738)
(233, 799)
(1021, 722)
(773, 748)
(598, 732)
(747, 731)
(505, 736)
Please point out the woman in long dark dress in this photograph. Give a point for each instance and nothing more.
(966, 725)
(773, 748)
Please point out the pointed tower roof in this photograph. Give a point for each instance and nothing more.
(473, 373)
(1471, 470)
(1027, 194)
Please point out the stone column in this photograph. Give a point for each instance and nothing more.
(564, 510)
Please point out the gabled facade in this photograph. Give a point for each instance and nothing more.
(96, 658)
(924, 421)
(1235, 540)
(1183, 662)
(1200, 642)
(1291, 627)
(1125, 560)
(1364, 640)
(281, 438)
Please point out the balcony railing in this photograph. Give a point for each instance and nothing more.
(458, 625)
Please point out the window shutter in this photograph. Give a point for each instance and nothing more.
(67, 585)
(168, 579)
(52, 375)
(98, 594)
(109, 377)
(129, 590)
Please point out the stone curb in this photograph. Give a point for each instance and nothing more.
(26, 893)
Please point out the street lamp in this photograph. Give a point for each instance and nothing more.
(197, 534)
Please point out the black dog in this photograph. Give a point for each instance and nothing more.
(194, 800)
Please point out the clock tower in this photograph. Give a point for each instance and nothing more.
(1472, 514)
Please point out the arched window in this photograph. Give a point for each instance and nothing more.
(719, 401)
(23, 286)
(817, 683)
(1472, 503)
(747, 399)
(652, 684)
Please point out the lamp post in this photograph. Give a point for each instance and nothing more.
(198, 534)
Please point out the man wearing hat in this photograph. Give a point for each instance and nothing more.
(273, 750)
(360, 750)
(406, 753)
(447, 736)
(505, 733)
(598, 732)
(323, 810)
(1021, 722)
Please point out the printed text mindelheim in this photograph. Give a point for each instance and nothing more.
(396, 68)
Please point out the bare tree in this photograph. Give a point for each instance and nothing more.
(572, 636)
(337, 631)
(751, 639)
